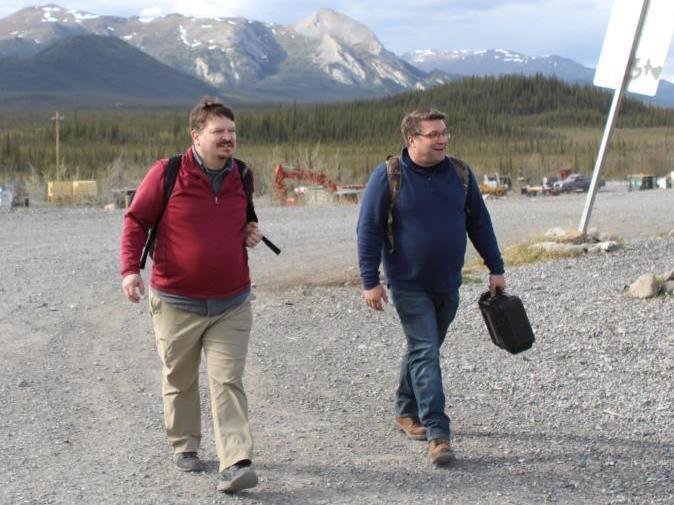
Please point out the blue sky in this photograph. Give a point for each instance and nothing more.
(570, 28)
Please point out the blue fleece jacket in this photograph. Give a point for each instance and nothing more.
(431, 219)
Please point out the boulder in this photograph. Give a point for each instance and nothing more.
(593, 235)
(559, 234)
(609, 246)
(559, 248)
(572, 237)
(594, 249)
(601, 247)
(645, 286)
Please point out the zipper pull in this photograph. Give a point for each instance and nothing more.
(216, 199)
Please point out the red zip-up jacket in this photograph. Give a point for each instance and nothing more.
(200, 248)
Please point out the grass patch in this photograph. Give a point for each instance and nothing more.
(523, 254)
(660, 286)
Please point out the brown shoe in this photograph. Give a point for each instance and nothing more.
(411, 427)
(440, 451)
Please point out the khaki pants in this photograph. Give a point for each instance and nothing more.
(224, 338)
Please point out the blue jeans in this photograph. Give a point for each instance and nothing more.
(425, 318)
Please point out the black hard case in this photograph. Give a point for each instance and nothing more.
(507, 321)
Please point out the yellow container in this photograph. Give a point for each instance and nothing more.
(84, 191)
(59, 191)
(63, 192)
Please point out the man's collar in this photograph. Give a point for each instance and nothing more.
(407, 159)
(200, 162)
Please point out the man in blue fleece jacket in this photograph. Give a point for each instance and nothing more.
(432, 215)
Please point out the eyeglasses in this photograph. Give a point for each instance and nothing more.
(220, 132)
(434, 135)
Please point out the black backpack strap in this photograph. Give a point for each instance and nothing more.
(247, 181)
(393, 177)
(463, 171)
(170, 176)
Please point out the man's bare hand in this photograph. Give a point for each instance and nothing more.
(375, 298)
(253, 234)
(496, 283)
(133, 287)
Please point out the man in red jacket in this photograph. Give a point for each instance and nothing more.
(200, 290)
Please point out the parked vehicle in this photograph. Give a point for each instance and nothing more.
(575, 182)
(10, 197)
(497, 185)
(6, 198)
(637, 182)
(544, 188)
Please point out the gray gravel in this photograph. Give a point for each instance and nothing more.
(583, 417)
(323, 240)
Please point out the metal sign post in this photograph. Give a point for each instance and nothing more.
(631, 59)
(610, 122)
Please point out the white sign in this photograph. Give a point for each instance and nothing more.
(652, 47)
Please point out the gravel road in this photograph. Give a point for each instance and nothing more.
(583, 417)
(322, 243)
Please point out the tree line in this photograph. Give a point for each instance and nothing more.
(521, 114)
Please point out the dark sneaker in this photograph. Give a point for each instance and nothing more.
(237, 477)
(187, 461)
(440, 451)
(411, 427)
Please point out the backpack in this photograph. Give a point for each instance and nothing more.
(393, 175)
(170, 176)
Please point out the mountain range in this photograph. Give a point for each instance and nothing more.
(94, 70)
(498, 62)
(51, 54)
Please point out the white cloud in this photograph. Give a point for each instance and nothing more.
(151, 12)
(529, 26)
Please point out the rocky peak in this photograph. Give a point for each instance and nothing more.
(327, 22)
(327, 50)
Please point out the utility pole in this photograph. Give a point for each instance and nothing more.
(57, 118)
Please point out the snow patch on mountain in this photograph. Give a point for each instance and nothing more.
(49, 19)
(183, 37)
(82, 16)
(203, 71)
(183, 34)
